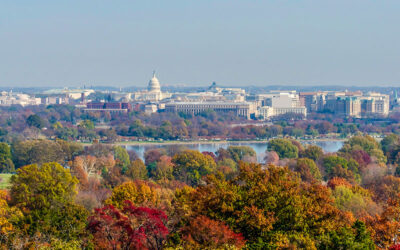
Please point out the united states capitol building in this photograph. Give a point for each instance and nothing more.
(216, 98)
(153, 92)
(261, 105)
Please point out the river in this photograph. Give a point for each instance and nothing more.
(259, 147)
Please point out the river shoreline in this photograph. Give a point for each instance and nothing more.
(134, 143)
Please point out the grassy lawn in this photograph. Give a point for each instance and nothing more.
(5, 181)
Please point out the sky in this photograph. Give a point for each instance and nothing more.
(47, 43)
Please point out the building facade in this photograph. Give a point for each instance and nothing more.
(240, 109)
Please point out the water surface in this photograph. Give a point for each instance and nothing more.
(260, 148)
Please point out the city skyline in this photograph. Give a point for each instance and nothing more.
(235, 43)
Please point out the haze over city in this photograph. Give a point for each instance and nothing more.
(235, 43)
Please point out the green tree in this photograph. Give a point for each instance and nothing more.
(137, 170)
(366, 143)
(166, 130)
(122, 156)
(355, 237)
(307, 169)
(35, 121)
(336, 166)
(36, 152)
(6, 164)
(87, 124)
(163, 169)
(312, 152)
(239, 152)
(284, 148)
(191, 165)
(46, 195)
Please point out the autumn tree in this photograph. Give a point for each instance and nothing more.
(271, 157)
(9, 217)
(307, 169)
(385, 227)
(271, 207)
(191, 165)
(163, 169)
(312, 152)
(137, 170)
(129, 228)
(354, 199)
(139, 193)
(45, 194)
(336, 166)
(366, 143)
(205, 233)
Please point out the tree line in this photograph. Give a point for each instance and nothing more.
(65, 196)
(73, 124)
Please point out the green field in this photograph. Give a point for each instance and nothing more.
(5, 181)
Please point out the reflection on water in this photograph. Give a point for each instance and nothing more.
(260, 148)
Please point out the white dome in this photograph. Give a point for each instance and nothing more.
(154, 84)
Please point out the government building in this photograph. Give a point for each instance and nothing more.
(241, 109)
(153, 92)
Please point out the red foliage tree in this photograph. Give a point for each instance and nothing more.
(362, 157)
(395, 247)
(203, 232)
(131, 228)
(210, 154)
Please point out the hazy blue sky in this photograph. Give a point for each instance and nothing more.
(119, 43)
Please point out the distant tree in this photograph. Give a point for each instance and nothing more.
(366, 143)
(222, 154)
(271, 157)
(164, 169)
(336, 166)
(66, 133)
(36, 152)
(99, 150)
(6, 164)
(35, 121)
(307, 169)
(191, 165)
(121, 155)
(86, 124)
(284, 148)
(137, 170)
(239, 152)
(153, 155)
(312, 152)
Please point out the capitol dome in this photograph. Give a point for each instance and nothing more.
(154, 84)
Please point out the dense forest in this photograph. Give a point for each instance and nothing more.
(73, 124)
(65, 196)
